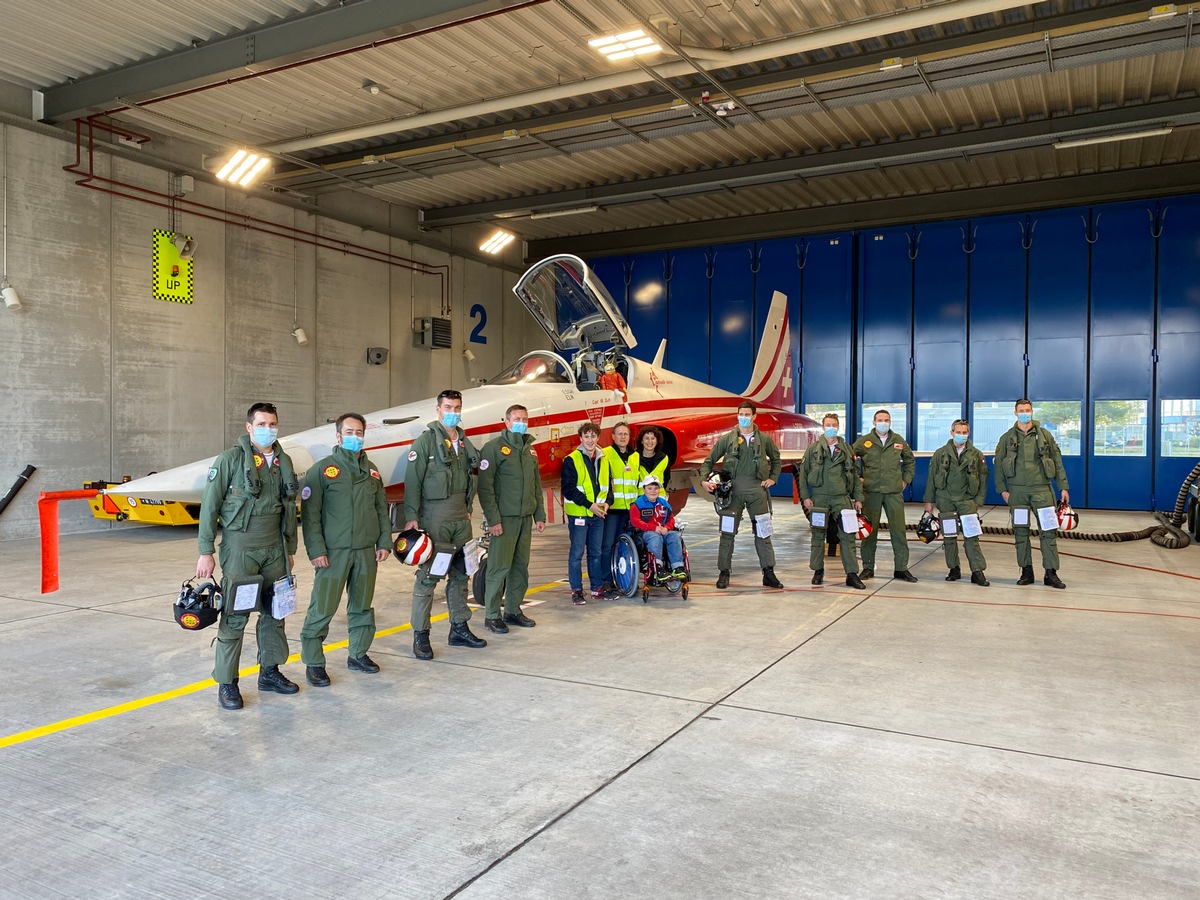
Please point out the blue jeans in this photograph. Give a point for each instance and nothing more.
(615, 523)
(655, 541)
(588, 536)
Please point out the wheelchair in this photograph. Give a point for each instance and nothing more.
(634, 567)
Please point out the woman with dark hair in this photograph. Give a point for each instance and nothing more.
(652, 458)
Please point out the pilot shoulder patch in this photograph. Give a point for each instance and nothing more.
(483, 464)
(412, 455)
(507, 451)
(212, 473)
(331, 472)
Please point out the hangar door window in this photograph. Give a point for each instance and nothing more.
(933, 424)
(898, 410)
(1180, 428)
(815, 411)
(1119, 428)
(1062, 418)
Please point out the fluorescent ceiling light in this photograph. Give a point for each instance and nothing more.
(1164, 11)
(550, 214)
(497, 242)
(623, 46)
(242, 168)
(1110, 138)
(892, 62)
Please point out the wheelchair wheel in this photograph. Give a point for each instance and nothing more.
(646, 594)
(685, 592)
(626, 572)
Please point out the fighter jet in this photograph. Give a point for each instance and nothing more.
(579, 316)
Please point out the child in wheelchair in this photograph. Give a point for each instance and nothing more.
(654, 520)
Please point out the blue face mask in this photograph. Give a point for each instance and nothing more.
(352, 442)
(743, 421)
(960, 438)
(451, 419)
(519, 427)
(1024, 418)
(264, 436)
(882, 428)
(831, 433)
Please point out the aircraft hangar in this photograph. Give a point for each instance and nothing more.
(326, 205)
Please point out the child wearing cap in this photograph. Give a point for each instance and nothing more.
(653, 517)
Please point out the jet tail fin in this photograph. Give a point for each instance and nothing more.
(660, 355)
(771, 383)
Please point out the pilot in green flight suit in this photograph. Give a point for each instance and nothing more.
(347, 534)
(888, 468)
(1027, 461)
(752, 459)
(958, 477)
(253, 489)
(829, 483)
(439, 486)
(510, 492)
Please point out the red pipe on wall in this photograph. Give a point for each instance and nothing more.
(216, 214)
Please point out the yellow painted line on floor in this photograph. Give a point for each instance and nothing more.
(22, 737)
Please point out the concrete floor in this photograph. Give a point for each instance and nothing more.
(913, 740)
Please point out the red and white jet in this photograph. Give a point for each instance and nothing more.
(577, 313)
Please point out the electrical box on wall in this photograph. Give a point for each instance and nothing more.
(432, 333)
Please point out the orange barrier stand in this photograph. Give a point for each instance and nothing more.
(48, 518)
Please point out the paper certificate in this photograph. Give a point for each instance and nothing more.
(1047, 518)
(728, 525)
(849, 521)
(284, 602)
(245, 598)
(950, 526)
(763, 527)
(971, 526)
(818, 519)
(441, 564)
(1020, 517)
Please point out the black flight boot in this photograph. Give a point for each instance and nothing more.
(519, 619)
(496, 626)
(722, 579)
(1026, 575)
(1052, 579)
(818, 576)
(905, 575)
(769, 579)
(271, 679)
(977, 578)
(362, 663)
(421, 648)
(852, 580)
(955, 574)
(316, 676)
(867, 572)
(460, 636)
(229, 696)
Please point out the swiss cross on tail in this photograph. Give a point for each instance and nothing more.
(771, 384)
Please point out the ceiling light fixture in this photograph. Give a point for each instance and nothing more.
(623, 46)
(497, 241)
(892, 62)
(550, 214)
(11, 298)
(1110, 138)
(1163, 11)
(242, 168)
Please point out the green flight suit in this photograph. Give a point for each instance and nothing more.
(957, 485)
(439, 488)
(829, 478)
(256, 505)
(510, 492)
(887, 466)
(750, 463)
(1026, 465)
(344, 513)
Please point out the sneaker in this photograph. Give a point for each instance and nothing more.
(680, 574)
(604, 594)
(577, 598)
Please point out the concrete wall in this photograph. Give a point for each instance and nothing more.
(98, 379)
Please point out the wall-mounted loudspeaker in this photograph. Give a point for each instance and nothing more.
(376, 356)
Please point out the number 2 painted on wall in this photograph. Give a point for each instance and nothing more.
(477, 335)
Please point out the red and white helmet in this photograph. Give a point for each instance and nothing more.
(1068, 519)
(929, 529)
(864, 527)
(413, 547)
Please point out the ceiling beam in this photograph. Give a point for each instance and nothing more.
(351, 24)
(829, 162)
(1104, 187)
